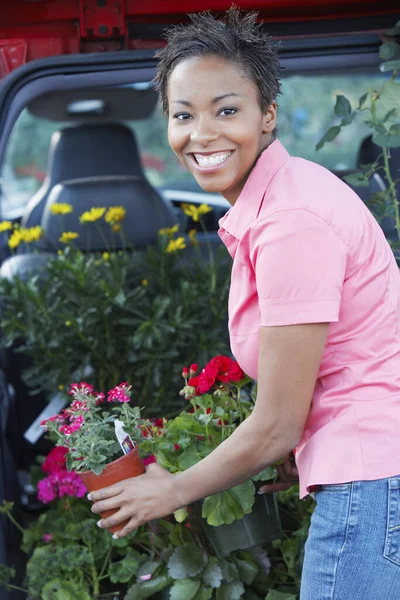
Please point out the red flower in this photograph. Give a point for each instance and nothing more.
(193, 368)
(225, 369)
(55, 460)
(185, 372)
(203, 382)
(149, 460)
(80, 387)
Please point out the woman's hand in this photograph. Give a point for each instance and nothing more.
(139, 499)
(288, 476)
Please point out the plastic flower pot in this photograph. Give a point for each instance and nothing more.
(129, 465)
(262, 525)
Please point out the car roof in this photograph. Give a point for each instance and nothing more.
(43, 28)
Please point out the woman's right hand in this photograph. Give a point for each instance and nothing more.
(287, 477)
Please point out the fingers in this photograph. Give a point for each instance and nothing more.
(108, 492)
(119, 517)
(277, 486)
(129, 527)
(108, 504)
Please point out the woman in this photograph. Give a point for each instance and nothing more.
(314, 316)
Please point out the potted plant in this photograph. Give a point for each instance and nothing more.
(219, 399)
(93, 432)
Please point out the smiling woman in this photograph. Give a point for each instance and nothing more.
(314, 313)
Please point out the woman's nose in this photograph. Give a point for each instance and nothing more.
(203, 133)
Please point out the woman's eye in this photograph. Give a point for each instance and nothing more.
(182, 116)
(228, 112)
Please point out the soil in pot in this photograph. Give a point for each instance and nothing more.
(129, 465)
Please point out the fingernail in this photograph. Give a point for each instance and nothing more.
(260, 492)
(89, 496)
(99, 524)
(115, 536)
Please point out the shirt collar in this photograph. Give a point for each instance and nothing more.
(247, 206)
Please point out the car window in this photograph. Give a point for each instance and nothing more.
(304, 114)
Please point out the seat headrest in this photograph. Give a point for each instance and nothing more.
(90, 150)
(146, 213)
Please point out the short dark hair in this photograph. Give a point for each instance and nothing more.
(237, 37)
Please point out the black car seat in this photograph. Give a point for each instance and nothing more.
(85, 151)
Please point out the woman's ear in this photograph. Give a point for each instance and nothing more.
(269, 118)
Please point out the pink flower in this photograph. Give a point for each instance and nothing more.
(47, 537)
(78, 405)
(81, 387)
(55, 460)
(47, 489)
(61, 483)
(99, 397)
(73, 426)
(149, 460)
(71, 485)
(54, 418)
(145, 577)
(120, 393)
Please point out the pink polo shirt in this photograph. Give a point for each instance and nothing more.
(305, 249)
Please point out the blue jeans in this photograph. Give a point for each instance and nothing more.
(353, 548)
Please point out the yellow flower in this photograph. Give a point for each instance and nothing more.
(94, 214)
(61, 387)
(192, 236)
(176, 245)
(68, 323)
(60, 208)
(106, 255)
(116, 227)
(68, 236)
(195, 212)
(31, 234)
(169, 231)
(5, 225)
(60, 252)
(115, 214)
(22, 234)
(15, 239)
(145, 283)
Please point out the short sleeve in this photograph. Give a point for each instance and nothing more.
(300, 265)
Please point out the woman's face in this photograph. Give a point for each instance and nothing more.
(215, 124)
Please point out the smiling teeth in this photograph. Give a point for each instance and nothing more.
(212, 159)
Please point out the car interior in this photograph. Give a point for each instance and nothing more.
(96, 137)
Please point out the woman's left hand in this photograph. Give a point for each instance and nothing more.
(139, 499)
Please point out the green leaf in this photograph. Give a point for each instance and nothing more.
(342, 106)
(147, 589)
(247, 570)
(276, 595)
(388, 50)
(329, 136)
(225, 507)
(186, 561)
(212, 574)
(63, 590)
(126, 568)
(389, 99)
(390, 65)
(362, 100)
(181, 514)
(149, 567)
(265, 474)
(357, 179)
(229, 570)
(230, 591)
(186, 589)
(188, 458)
(6, 575)
(386, 140)
(204, 593)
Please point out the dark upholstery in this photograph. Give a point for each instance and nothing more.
(146, 212)
(85, 151)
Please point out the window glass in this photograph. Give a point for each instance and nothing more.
(305, 112)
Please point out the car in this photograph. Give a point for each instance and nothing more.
(80, 119)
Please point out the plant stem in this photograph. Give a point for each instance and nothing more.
(19, 589)
(105, 561)
(14, 522)
(392, 188)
